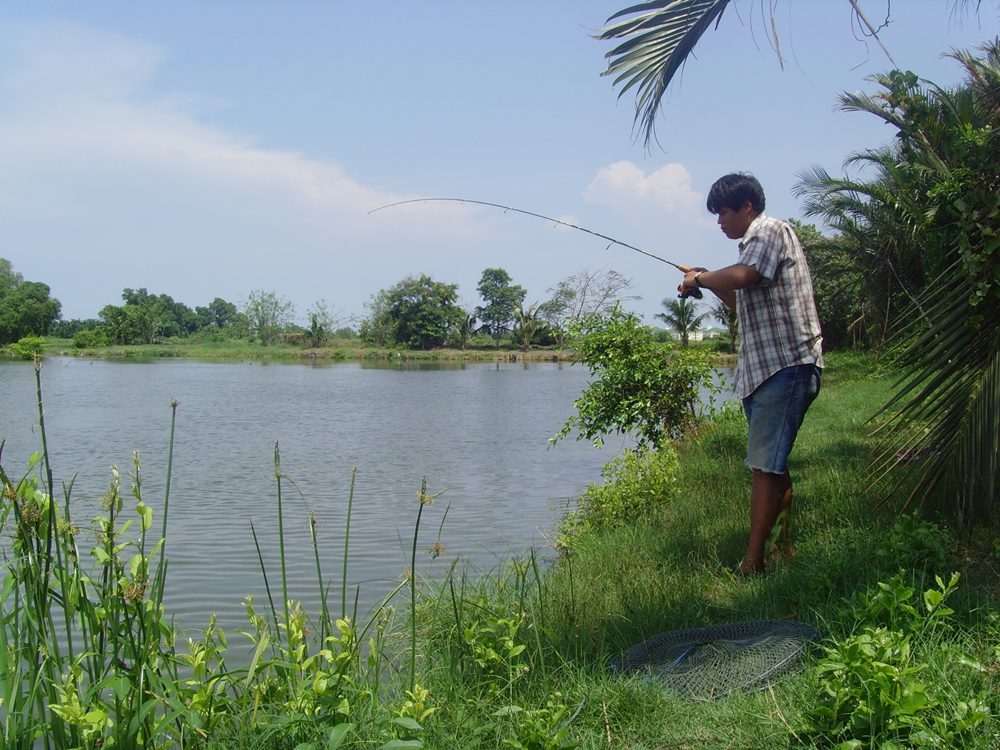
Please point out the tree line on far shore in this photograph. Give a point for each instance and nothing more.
(418, 312)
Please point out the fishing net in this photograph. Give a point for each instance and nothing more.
(711, 662)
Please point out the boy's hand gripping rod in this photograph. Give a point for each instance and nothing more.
(696, 293)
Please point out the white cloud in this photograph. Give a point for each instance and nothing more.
(56, 62)
(667, 191)
(107, 183)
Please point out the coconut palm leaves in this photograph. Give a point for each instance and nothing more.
(927, 214)
(940, 426)
(659, 37)
(681, 316)
(726, 315)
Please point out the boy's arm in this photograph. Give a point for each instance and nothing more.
(724, 282)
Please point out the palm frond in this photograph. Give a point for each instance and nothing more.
(660, 35)
(940, 427)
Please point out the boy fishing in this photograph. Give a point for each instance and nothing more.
(780, 358)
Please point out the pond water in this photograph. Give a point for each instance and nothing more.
(478, 433)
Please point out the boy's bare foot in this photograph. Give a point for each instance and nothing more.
(747, 570)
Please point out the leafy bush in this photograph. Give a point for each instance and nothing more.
(90, 338)
(28, 347)
(639, 387)
(869, 685)
(540, 728)
(915, 544)
(635, 484)
(493, 648)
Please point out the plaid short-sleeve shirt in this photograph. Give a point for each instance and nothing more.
(779, 326)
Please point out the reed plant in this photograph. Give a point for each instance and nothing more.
(89, 657)
(86, 649)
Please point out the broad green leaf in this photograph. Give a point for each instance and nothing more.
(337, 736)
(407, 723)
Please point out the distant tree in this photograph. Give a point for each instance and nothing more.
(584, 293)
(67, 329)
(529, 328)
(845, 309)
(377, 328)
(501, 299)
(181, 319)
(423, 313)
(8, 279)
(218, 313)
(727, 316)
(467, 324)
(592, 292)
(116, 324)
(267, 314)
(138, 321)
(322, 322)
(682, 317)
(26, 309)
(156, 315)
(147, 321)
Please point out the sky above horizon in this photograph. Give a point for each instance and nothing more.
(206, 150)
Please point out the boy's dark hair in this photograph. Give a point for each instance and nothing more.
(733, 191)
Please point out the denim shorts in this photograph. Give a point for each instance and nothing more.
(774, 414)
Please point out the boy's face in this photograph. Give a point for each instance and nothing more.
(735, 222)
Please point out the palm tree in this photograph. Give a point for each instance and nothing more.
(925, 222)
(681, 317)
(527, 325)
(660, 35)
(727, 316)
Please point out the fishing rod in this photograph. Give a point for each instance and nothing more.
(611, 240)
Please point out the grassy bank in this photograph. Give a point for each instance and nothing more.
(345, 350)
(857, 573)
(340, 350)
(517, 656)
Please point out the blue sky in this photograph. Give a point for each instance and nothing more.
(210, 149)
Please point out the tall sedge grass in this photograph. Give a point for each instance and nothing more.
(89, 657)
(95, 678)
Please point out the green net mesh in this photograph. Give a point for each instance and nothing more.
(710, 662)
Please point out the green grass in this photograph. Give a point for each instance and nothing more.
(516, 656)
(618, 586)
(336, 351)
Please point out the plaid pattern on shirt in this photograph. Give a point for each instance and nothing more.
(779, 326)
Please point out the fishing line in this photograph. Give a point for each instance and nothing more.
(611, 240)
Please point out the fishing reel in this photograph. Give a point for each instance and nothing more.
(686, 292)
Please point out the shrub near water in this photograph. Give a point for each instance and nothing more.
(641, 388)
(636, 484)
